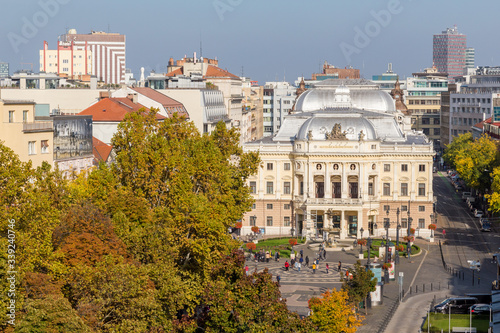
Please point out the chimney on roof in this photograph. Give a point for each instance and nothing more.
(103, 94)
(132, 97)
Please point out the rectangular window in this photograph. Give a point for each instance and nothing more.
(386, 208)
(421, 223)
(387, 222)
(301, 192)
(387, 167)
(370, 189)
(11, 116)
(421, 167)
(286, 166)
(269, 166)
(286, 188)
(404, 189)
(286, 221)
(387, 189)
(253, 220)
(269, 206)
(269, 188)
(421, 189)
(254, 206)
(404, 167)
(32, 148)
(421, 208)
(269, 221)
(404, 223)
(404, 208)
(253, 187)
(25, 116)
(44, 147)
(286, 206)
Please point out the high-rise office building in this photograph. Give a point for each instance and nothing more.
(4, 69)
(448, 52)
(470, 54)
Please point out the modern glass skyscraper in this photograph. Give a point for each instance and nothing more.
(448, 52)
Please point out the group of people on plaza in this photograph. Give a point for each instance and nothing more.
(265, 256)
(297, 263)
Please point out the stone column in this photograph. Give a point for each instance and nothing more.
(328, 182)
(345, 187)
(343, 225)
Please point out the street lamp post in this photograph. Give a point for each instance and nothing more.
(397, 237)
(386, 225)
(361, 247)
(409, 243)
(369, 244)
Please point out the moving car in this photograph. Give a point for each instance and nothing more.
(486, 227)
(480, 309)
(456, 305)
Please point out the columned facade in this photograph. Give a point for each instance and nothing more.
(343, 172)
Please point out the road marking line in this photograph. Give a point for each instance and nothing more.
(416, 273)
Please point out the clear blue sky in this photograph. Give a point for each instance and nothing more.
(270, 39)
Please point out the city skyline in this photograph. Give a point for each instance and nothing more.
(263, 41)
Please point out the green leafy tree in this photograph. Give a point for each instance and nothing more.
(235, 302)
(194, 183)
(452, 150)
(361, 284)
(115, 296)
(333, 312)
(476, 160)
(494, 197)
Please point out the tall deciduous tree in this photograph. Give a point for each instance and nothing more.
(458, 144)
(195, 183)
(476, 160)
(361, 284)
(334, 313)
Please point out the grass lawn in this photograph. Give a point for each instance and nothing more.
(439, 322)
(280, 244)
(376, 244)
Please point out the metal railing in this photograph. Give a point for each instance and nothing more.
(38, 126)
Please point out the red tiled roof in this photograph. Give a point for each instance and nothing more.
(213, 71)
(101, 150)
(170, 104)
(480, 125)
(113, 109)
(175, 72)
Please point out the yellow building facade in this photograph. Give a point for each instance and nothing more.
(30, 139)
(345, 164)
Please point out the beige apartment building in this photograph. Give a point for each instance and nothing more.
(30, 139)
(345, 164)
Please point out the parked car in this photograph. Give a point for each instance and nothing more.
(480, 308)
(465, 195)
(483, 220)
(478, 213)
(456, 305)
(486, 227)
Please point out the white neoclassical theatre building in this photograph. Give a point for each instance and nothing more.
(345, 163)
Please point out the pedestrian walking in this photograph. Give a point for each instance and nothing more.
(301, 260)
(276, 256)
(307, 261)
(314, 268)
(298, 266)
(278, 279)
(246, 269)
(324, 254)
(327, 268)
(286, 265)
(444, 233)
(301, 252)
(339, 267)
